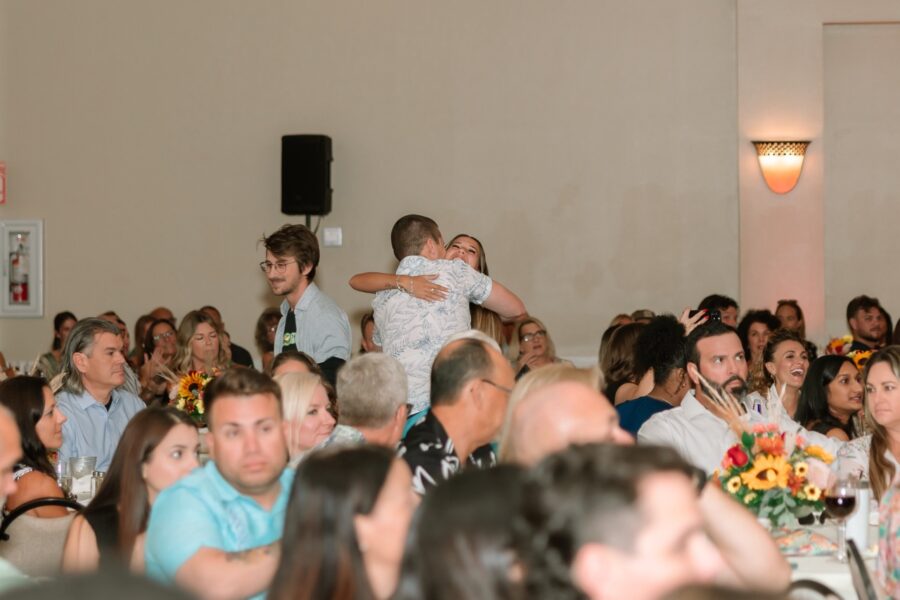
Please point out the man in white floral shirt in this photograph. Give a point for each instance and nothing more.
(413, 330)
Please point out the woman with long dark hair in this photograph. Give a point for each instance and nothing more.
(40, 427)
(831, 396)
(158, 447)
(461, 543)
(50, 364)
(345, 526)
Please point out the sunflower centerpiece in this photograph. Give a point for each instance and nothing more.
(189, 395)
(775, 475)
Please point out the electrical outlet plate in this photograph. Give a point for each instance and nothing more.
(333, 236)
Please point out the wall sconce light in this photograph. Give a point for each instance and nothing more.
(781, 163)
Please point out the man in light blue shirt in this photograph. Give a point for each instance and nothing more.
(97, 412)
(217, 531)
(311, 322)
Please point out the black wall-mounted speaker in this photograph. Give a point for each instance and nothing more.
(306, 174)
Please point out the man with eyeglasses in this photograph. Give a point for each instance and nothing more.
(470, 386)
(311, 322)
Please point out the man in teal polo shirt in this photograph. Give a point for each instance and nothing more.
(217, 532)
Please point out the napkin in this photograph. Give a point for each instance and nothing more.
(806, 543)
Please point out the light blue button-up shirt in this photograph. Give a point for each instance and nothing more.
(323, 330)
(91, 430)
(205, 511)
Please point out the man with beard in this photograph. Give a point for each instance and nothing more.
(865, 317)
(698, 429)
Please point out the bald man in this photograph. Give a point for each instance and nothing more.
(550, 417)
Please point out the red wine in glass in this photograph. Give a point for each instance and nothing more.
(840, 507)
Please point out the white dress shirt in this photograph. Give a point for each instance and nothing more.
(702, 438)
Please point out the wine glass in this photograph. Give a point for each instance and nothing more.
(840, 501)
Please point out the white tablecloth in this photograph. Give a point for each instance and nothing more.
(827, 570)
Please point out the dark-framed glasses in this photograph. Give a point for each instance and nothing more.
(279, 267)
(530, 336)
(502, 388)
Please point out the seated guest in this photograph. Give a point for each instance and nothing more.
(659, 350)
(754, 330)
(470, 386)
(874, 456)
(10, 454)
(790, 315)
(161, 312)
(264, 336)
(831, 397)
(159, 447)
(40, 426)
(604, 521)
(132, 383)
(136, 356)
(461, 542)
(294, 361)
(198, 345)
(96, 407)
(238, 355)
(367, 331)
(623, 381)
(868, 323)
(50, 364)
(345, 526)
(552, 408)
(159, 350)
(307, 422)
(725, 306)
(642, 315)
(216, 532)
(371, 392)
(697, 429)
(785, 362)
(531, 347)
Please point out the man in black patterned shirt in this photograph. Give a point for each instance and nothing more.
(470, 386)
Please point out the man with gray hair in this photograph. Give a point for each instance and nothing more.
(470, 386)
(91, 398)
(371, 392)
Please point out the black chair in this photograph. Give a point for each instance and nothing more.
(809, 588)
(34, 545)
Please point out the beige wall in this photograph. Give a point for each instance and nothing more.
(862, 153)
(781, 95)
(590, 145)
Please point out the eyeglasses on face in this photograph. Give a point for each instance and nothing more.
(502, 388)
(279, 267)
(163, 336)
(530, 336)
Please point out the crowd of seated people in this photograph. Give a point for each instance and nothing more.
(511, 474)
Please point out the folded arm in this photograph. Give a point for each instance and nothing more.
(214, 574)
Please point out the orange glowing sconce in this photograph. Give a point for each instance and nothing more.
(781, 163)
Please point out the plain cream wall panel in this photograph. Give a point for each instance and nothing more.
(589, 145)
(781, 90)
(862, 152)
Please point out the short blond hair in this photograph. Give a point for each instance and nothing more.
(296, 393)
(537, 380)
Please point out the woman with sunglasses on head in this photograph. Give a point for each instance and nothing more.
(463, 247)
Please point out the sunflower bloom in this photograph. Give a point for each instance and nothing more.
(820, 453)
(767, 472)
(734, 484)
(812, 492)
(191, 385)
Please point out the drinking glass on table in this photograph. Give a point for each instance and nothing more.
(81, 468)
(64, 478)
(840, 501)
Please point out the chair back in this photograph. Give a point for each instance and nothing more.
(34, 545)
